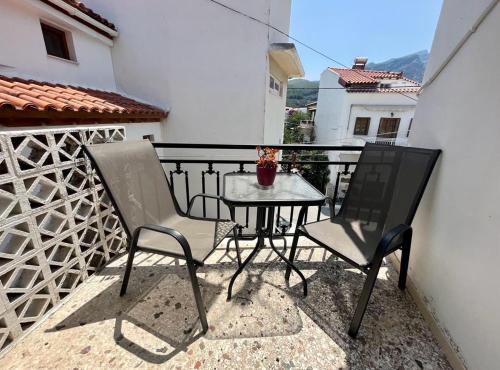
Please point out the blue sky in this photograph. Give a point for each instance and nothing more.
(377, 29)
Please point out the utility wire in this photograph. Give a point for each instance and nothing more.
(347, 88)
(298, 42)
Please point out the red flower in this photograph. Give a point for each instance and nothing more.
(267, 157)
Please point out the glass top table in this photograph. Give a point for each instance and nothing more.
(289, 189)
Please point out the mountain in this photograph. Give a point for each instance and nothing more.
(307, 92)
(412, 65)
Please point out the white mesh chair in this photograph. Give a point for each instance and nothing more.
(376, 215)
(135, 181)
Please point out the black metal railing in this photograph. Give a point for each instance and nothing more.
(191, 167)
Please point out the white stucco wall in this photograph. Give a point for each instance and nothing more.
(23, 53)
(207, 64)
(329, 110)
(274, 113)
(456, 247)
(377, 111)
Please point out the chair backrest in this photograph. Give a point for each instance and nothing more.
(387, 185)
(134, 178)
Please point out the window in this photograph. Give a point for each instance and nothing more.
(385, 85)
(388, 128)
(362, 126)
(56, 42)
(275, 86)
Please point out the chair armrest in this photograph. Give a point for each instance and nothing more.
(387, 239)
(203, 195)
(173, 233)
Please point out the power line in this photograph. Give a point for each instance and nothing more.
(298, 41)
(347, 88)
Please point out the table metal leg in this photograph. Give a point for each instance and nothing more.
(261, 235)
(235, 234)
(290, 265)
(300, 221)
(260, 243)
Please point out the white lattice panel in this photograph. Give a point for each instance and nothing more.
(57, 225)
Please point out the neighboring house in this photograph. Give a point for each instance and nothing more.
(355, 106)
(56, 69)
(223, 76)
(311, 109)
(189, 58)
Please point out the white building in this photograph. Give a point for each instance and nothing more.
(211, 66)
(221, 76)
(356, 105)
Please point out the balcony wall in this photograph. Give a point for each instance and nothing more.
(57, 226)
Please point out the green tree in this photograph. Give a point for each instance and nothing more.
(292, 134)
(316, 173)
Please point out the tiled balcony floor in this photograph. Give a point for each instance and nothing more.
(267, 324)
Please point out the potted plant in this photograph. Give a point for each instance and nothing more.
(267, 164)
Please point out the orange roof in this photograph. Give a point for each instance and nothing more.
(360, 80)
(21, 98)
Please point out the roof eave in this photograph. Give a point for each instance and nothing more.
(84, 18)
(287, 57)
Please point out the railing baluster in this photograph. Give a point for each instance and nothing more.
(187, 189)
(296, 158)
(203, 190)
(336, 191)
(218, 193)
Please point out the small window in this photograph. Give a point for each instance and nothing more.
(385, 86)
(56, 42)
(275, 86)
(362, 126)
(271, 82)
(409, 127)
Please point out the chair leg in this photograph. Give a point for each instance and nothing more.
(291, 257)
(197, 296)
(130, 260)
(405, 258)
(363, 300)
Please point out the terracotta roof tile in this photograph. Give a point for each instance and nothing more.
(22, 95)
(360, 80)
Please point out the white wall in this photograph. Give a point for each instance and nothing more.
(456, 248)
(23, 53)
(274, 112)
(377, 111)
(204, 62)
(329, 110)
(136, 130)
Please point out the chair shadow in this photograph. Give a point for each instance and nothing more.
(160, 302)
(392, 320)
(140, 307)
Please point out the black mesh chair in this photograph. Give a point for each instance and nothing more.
(375, 217)
(135, 181)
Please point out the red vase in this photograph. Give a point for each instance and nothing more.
(266, 176)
